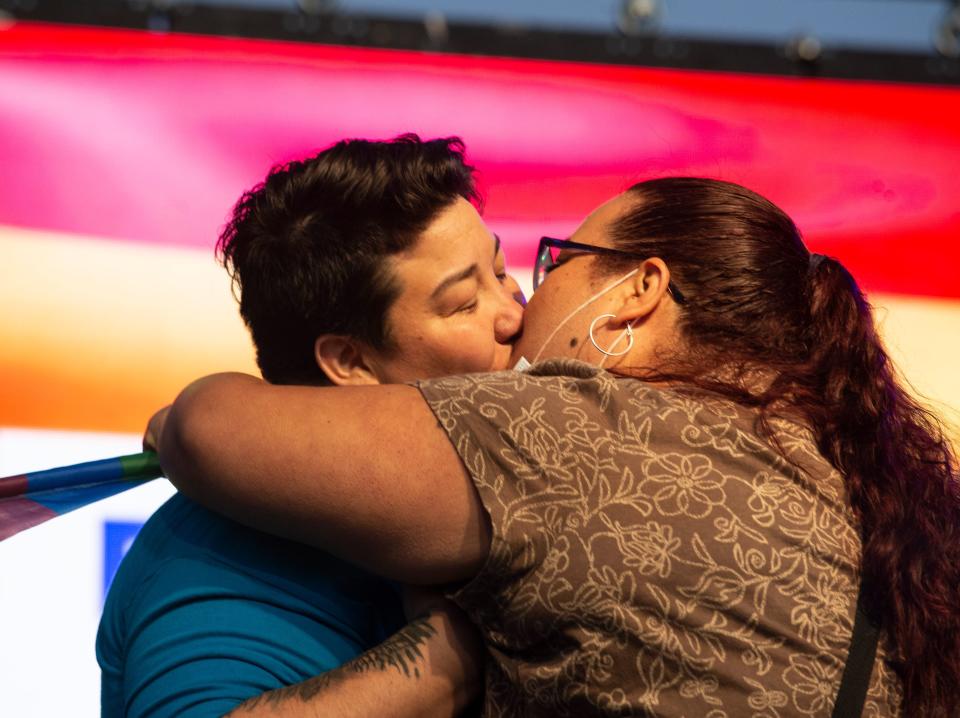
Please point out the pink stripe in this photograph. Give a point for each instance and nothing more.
(150, 137)
(18, 514)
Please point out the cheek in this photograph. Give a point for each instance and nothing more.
(454, 348)
(469, 348)
(551, 316)
(541, 317)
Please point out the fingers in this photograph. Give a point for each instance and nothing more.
(151, 437)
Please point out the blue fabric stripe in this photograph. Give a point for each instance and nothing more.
(67, 499)
(91, 472)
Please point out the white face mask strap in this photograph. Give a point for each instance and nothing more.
(583, 306)
(610, 351)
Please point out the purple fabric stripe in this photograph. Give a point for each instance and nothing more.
(17, 514)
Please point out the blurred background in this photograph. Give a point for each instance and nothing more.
(128, 128)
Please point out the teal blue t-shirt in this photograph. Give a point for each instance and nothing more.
(204, 613)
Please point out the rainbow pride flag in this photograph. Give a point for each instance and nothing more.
(98, 213)
(30, 499)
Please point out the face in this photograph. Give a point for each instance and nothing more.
(457, 311)
(566, 287)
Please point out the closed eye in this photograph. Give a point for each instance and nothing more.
(498, 255)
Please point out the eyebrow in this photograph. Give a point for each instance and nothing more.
(460, 276)
(465, 274)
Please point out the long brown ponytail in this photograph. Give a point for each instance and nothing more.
(902, 479)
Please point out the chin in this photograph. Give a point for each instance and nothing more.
(514, 358)
(502, 363)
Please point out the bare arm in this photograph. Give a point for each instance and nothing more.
(363, 472)
(433, 667)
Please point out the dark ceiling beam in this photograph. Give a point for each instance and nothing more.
(435, 35)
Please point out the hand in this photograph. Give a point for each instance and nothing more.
(419, 601)
(151, 437)
(458, 652)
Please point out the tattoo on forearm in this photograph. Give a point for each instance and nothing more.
(402, 652)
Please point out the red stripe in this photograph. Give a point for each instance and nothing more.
(13, 486)
(868, 170)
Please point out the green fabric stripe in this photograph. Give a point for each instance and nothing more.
(141, 466)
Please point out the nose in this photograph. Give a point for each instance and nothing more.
(509, 319)
(513, 288)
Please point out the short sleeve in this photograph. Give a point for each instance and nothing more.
(646, 540)
(516, 433)
(204, 655)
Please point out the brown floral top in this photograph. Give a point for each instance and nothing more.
(651, 554)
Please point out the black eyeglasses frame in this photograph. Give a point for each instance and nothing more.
(541, 269)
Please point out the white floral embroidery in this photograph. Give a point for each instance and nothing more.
(651, 554)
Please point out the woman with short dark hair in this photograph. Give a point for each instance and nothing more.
(342, 265)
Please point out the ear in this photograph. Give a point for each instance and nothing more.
(342, 359)
(647, 290)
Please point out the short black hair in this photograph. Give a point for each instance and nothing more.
(306, 247)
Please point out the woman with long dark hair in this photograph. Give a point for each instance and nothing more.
(720, 509)
(763, 301)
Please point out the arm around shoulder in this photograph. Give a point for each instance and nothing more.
(433, 666)
(364, 472)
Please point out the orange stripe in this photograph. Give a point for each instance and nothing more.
(98, 334)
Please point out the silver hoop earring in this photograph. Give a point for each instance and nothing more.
(629, 332)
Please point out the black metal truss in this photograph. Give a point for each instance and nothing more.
(647, 50)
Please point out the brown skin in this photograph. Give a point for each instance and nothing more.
(425, 669)
(230, 438)
(418, 519)
(457, 311)
(287, 459)
(641, 301)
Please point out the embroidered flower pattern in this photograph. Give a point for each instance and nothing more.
(651, 554)
(680, 484)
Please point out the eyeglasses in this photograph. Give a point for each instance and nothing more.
(550, 248)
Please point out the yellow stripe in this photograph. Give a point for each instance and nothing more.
(923, 338)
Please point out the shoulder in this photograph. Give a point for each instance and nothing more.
(557, 380)
(210, 613)
(550, 391)
(186, 557)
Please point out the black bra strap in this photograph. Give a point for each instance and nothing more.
(859, 667)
